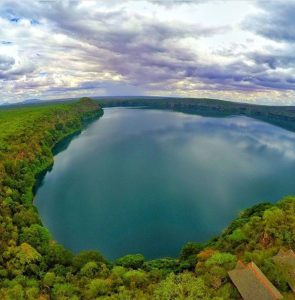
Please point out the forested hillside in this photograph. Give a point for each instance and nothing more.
(283, 116)
(34, 266)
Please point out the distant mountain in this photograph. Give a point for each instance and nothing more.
(31, 101)
(27, 101)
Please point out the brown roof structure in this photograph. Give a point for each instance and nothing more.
(285, 260)
(252, 283)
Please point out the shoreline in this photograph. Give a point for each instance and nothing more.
(64, 142)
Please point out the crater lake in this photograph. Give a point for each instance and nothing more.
(148, 181)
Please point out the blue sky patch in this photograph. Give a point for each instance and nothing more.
(34, 22)
(14, 20)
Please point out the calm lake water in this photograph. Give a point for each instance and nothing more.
(148, 181)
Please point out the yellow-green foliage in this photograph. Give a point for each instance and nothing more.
(27, 136)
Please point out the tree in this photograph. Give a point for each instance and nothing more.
(37, 236)
(237, 236)
(97, 287)
(132, 261)
(222, 259)
(26, 218)
(135, 279)
(183, 286)
(57, 254)
(188, 255)
(49, 279)
(64, 291)
(90, 269)
(86, 256)
(23, 259)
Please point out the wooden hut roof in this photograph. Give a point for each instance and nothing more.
(285, 260)
(252, 283)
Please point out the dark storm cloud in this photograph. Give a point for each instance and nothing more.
(275, 60)
(276, 21)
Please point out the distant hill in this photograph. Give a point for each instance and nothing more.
(31, 101)
(283, 116)
(25, 102)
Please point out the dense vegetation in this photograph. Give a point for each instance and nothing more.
(34, 266)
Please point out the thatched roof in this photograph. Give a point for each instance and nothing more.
(252, 283)
(285, 260)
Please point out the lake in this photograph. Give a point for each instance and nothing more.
(148, 181)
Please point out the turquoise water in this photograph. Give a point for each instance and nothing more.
(148, 181)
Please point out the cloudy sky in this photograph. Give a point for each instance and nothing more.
(236, 50)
